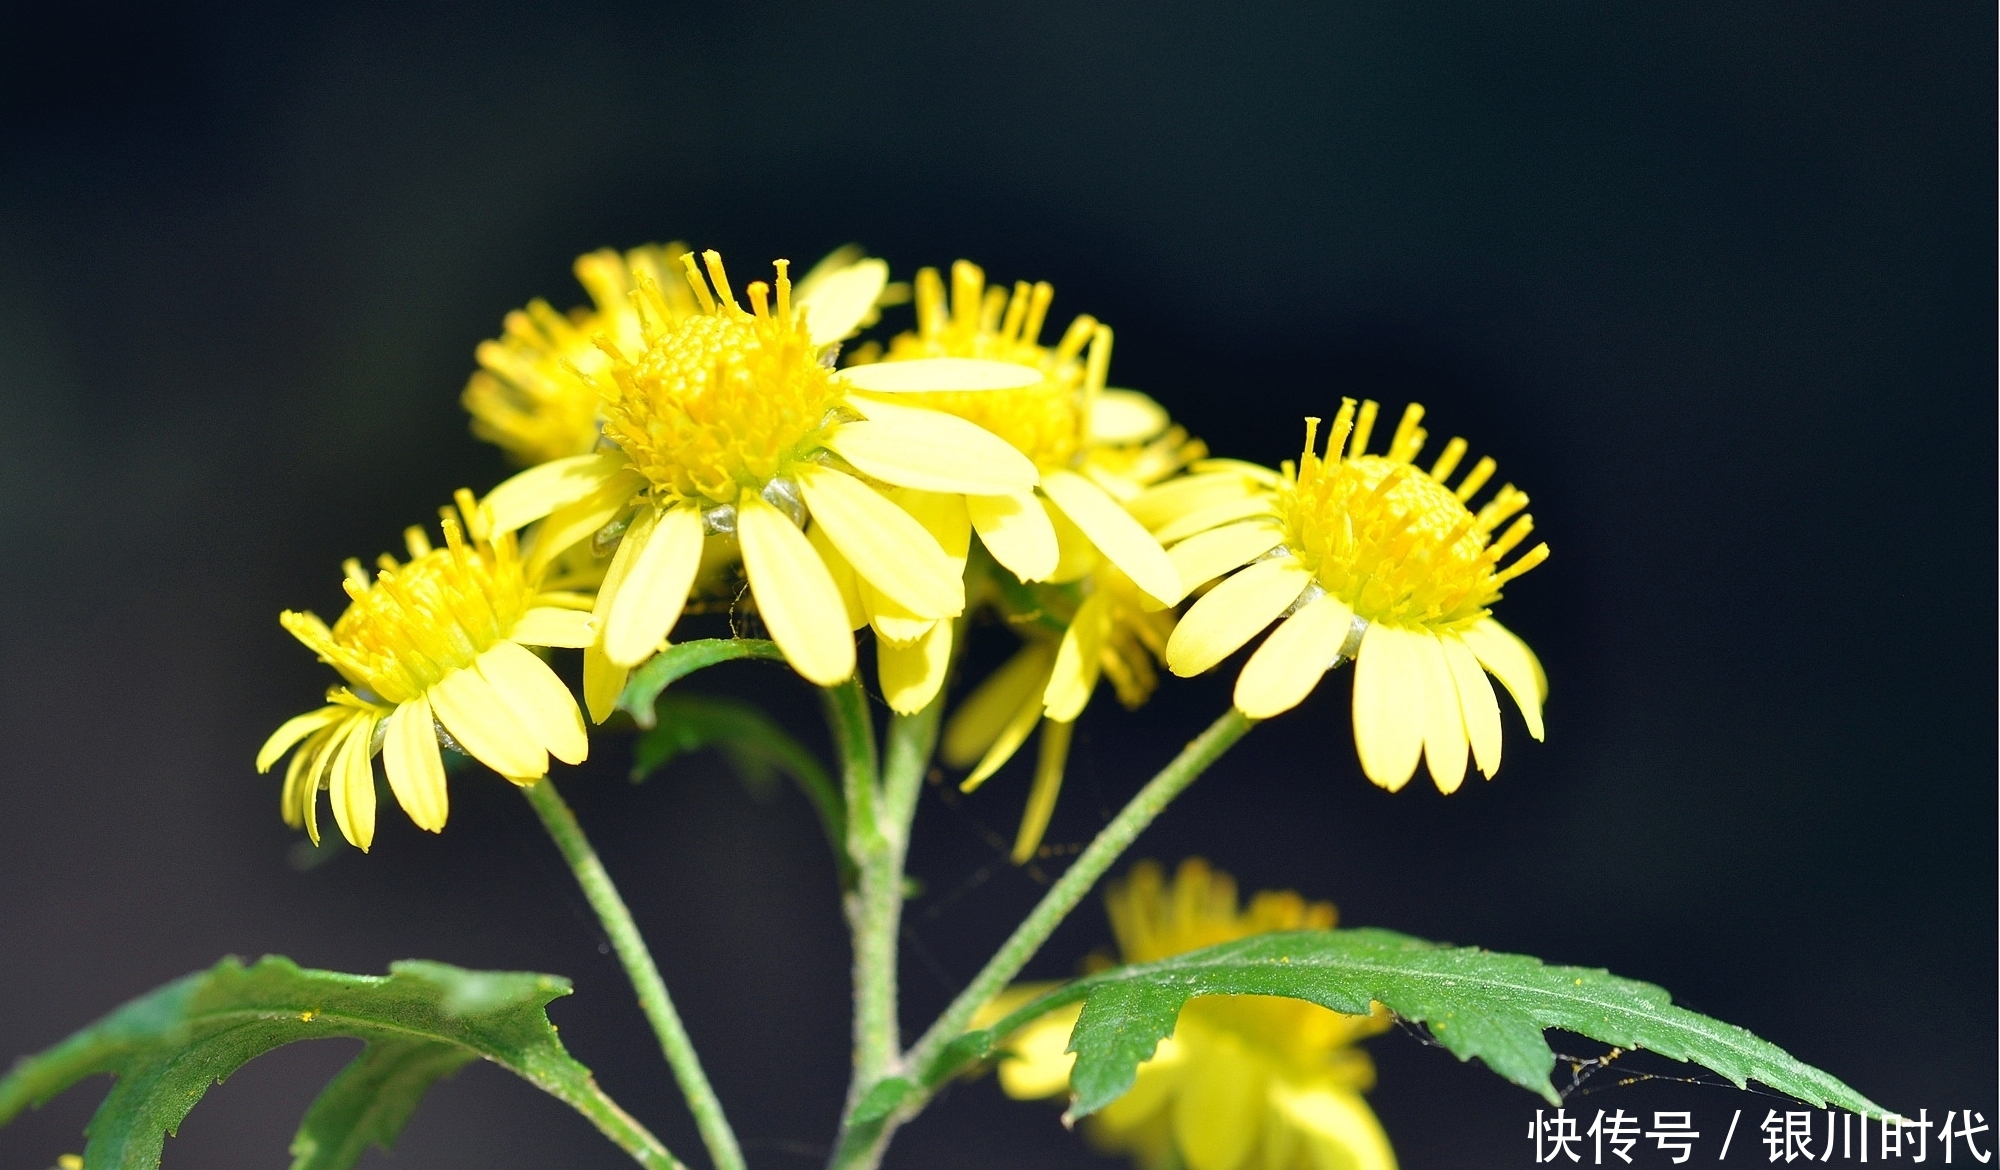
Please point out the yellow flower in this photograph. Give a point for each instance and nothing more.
(536, 392)
(1370, 558)
(1092, 448)
(731, 424)
(1070, 520)
(433, 646)
(1245, 1081)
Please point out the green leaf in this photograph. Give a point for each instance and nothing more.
(422, 1021)
(678, 661)
(1476, 1003)
(756, 748)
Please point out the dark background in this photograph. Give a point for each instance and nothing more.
(1713, 282)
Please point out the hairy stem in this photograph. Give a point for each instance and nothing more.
(1076, 881)
(640, 968)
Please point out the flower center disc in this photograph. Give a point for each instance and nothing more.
(1390, 541)
(433, 615)
(721, 403)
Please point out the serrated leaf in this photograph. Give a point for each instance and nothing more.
(421, 1021)
(1476, 1003)
(678, 661)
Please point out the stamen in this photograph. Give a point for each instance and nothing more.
(1038, 310)
(1343, 425)
(1075, 337)
(696, 283)
(1364, 426)
(415, 540)
(966, 281)
(760, 298)
(991, 308)
(356, 575)
(1448, 462)
(1017, 312)
(1528, 560)
(1476, 478)
(1514, 535)
(930, 302)
(1312, 434)
(784, 268)
(1507, 501)
(1409, 437)
(1099, 364)
(468, 507)
(713, 259)
(386, 563)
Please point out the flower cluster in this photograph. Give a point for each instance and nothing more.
(688, 447)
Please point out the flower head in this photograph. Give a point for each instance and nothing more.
(1244, 1081)
(536, 392)
(1370, 558)
(730, 424)
(432, 646)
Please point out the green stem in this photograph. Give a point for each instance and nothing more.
(639, 967)
(1076, 881)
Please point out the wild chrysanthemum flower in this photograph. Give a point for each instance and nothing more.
(1244, 1081)
(1092, 447)
(435, 646)
(1366, 557)
(732, 425)
(536, 392)
(1071, 519)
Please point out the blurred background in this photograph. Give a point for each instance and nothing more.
(1714, 283)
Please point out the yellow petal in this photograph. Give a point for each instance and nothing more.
(1158, 1082)
(928, 449)
(1125, 416)
(542, 489)
(1189, 493)
(842, 574)
(602, 683)
(549, 625)
(416, 770)
(475, 715)
(538, 699)
(1201, 559)
(1047, 786)
(1231, 613)
(1214, 516)
(1016, 530)
(912, 675)
(1286, 668)
(1388, 705)
(580, 519)
(1340, 1131)
(835, 304)
(1077, 663)
(1076, 557)
(1513, 664)
(299, 799)
(1475, 703)
(983, 714)
(925, 375)
(1218, 1115)
(1038, 1061)
(944, 516)
(1004, 745)
(1120, 538)
(893, 623)
(351, 784)
(292, 731)
(795, 594)
(654, 588)
(1444, 726)
(888, 548)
